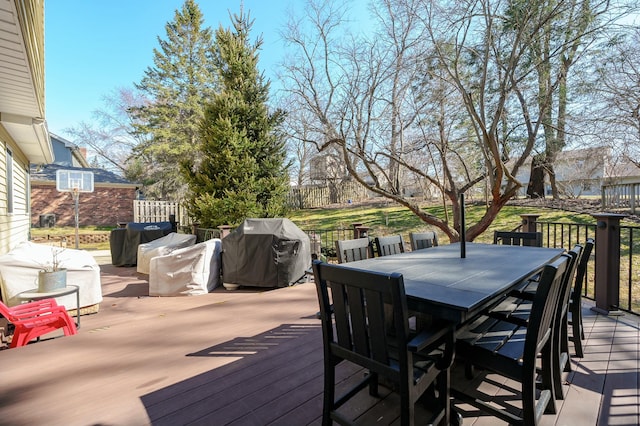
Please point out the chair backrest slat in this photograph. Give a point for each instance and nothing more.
(362, 301)
(392, 244)
(567, 280)
(5, 312)
(533, 239)
(544, 307)
(352, 250)
(422, 240)
(581, 272)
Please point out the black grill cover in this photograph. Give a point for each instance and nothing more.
(265, 253)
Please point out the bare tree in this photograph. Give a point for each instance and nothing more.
(298, 130)
(566, 36)
(443, 92)
(109, 136)
(616, 84)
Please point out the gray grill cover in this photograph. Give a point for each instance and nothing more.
(265, 253)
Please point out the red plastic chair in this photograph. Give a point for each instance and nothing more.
(35, 319)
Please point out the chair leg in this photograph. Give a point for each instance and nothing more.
(329, 395)
(547, 375)
(444, 397)
(407, 408)
(564, 346)
(373, 384)
(577, 331)
(577, 340)
(529, 397)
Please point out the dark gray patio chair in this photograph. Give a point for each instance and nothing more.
(512, 238)
(517, 308)
(392, 244)
(353, 329)
(575, 299)
(422, 240)
(511, 350)
(575, 302)
(352, 250)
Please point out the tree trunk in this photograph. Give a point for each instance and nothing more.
(535, 188)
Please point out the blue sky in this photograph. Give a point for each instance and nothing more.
(94, 47)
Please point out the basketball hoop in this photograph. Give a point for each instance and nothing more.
(75, 182)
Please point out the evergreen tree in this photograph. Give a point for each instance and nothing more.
(177, 86)
(241, 172)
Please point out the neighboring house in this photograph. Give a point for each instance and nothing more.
(23, 134)
(110, 202)
(66, 153)
(622, 172)
(578, 172)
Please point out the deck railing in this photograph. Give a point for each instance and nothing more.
(561, 234)
(621, 196)
(620, 263)
(618, 279)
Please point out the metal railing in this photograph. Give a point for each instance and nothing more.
(558, 234)
(555, 234)
(327, 239)
(566, 235)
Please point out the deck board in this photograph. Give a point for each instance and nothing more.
(249, 357)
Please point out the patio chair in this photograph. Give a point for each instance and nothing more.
(392, 244)
(532, 239)
(575, 298)
(422, 240)
(411, 364)
(35, 319)
(352, 250)
(521, 303)
(575, 301)
(511, 350)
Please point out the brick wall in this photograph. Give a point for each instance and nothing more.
(103, 207)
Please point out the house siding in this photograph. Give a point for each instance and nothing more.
(14, 227)
(106, 206)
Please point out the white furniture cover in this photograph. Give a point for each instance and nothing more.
(188, 271)
(160, 247)
(19, 272)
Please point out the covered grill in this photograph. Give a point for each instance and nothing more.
(265, 253)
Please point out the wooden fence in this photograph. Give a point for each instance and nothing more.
(624, 196)
(159, 211)
(297, 198)
(321, 196)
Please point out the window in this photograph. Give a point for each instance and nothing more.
(9, 181)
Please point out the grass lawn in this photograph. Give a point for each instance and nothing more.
(56, 233)
(386, 220)
(381, 219)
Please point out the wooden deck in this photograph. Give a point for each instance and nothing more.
(249, 357)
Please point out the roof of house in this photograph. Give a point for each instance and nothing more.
(47, 173)
(75, 153)
(22, 92)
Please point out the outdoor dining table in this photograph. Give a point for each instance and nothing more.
(440, 283)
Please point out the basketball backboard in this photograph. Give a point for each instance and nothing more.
(68, 180)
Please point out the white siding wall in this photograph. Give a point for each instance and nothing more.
(14, 227)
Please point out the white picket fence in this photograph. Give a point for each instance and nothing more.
(159, 211)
